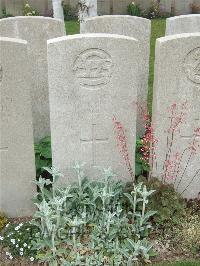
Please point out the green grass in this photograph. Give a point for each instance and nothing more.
(185, 263)
(158, 30)
(72, 27)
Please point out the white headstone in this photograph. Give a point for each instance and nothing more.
(36, 30)
(58, 9)
(135, 27)
(17, 162)
(183, 24)
(92, 78)
(177, 90)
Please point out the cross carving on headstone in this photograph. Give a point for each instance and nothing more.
(197, 124)
(94, 141)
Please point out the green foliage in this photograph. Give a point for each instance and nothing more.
(154, 11)
(43, 156)
(3, 221)
(141, 167)
(88, 224)
(17, 240)
(5, 14)
(29, 11)
(169, 204)
(70, 13)
(134, 10)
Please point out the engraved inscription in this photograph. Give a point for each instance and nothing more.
(93, 68)
(94, 141)
(192, 65)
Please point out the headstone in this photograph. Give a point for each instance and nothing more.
(135, 27)
(58, 9)
(87, 9)
(99, 81)
(17, 162)
(36, 30)
(183, 24)
(176, 107)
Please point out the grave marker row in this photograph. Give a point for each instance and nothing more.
(92, 78)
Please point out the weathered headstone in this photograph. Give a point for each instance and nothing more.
(36, 30)
(135, 27)
(176, 108)
(92, 78)
(183, 24)
(17, 162)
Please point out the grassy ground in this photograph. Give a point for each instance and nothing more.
(158, 30)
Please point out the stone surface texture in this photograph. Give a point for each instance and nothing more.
(17, 162)
(177, 89)
(135, 27)
(36, 31)
(183, 24)
(92, 78)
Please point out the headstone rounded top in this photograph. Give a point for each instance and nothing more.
(184, 17)
(183, 24)
(31, 18)
(177, 36)
(90, 35)
(113, 17)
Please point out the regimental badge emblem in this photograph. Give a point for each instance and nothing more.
(192, 65)
(93, 68)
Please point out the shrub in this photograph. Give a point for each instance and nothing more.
(134, 10)
(169, 204)
(29, 11)
(155, 12)
(43, 156)
(5, 14)
(141, 165)
(88, 224)
(3, 221)
(17, 240)
(70, 13)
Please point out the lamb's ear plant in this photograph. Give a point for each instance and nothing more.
(87, 223)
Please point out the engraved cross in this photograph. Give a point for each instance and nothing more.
(94, 141)
(188, 135)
